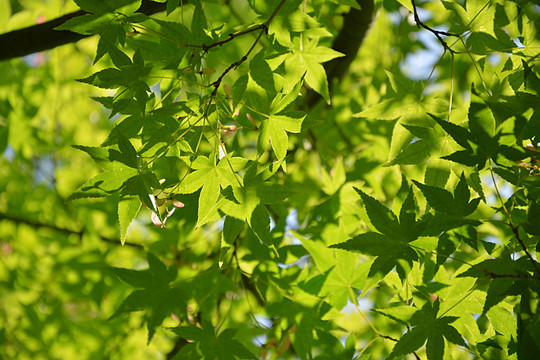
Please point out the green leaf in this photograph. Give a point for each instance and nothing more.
(443, 201)
(407, 4)
(427, 326)
(380, 216)
(401, 314)
(274, 130)
(319, 252)
(458, 133)
(370, 243)
(343, 278)
(125, 7)
(334, 181)
(416, 153)
(407, 215)
(231, 229)
(198, 23)
(307, 60)
(261, 73)
(410, 342)
(143, 186)
(106, 46)
(128, 208)
(466, 157)
(128, 154)
(210, 179)
(87, 24)
(284, 99)
(101, 156)
(172, 5)
(389, 251)
(533, 218)
(439, 199)
(104, 184)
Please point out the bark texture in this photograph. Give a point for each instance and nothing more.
(43, 37)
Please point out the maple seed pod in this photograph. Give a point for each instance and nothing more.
(188, 70)
(252, 121)
(228, 90)
(156, 221)
(178, 204)
(143, 204)
(208, 71)
(229, 129)
(221, 150)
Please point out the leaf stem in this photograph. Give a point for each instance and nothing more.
(355, 302)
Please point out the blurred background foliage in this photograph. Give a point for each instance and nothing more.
(57, 288)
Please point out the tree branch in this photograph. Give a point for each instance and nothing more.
(80, 233)
(515, 230)
(42, 37)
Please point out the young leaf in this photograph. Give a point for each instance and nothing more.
(128, 208)
(307, 60)
(274, 130)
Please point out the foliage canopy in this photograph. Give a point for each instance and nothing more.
(278, 194)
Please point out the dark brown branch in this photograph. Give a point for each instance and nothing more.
(80, 233)
(178, 345)
(515, 230)
(232, 36)
(42, 37)
(356, 23)
(348, 41)
(437, 33)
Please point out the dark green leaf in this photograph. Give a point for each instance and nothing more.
(458, 133)
(381, 217)
(439, 199)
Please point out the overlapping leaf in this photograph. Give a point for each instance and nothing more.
(154, 294)
(428, 326)
(390, 244)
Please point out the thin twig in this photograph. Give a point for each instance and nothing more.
(232, 36)
(437, 33)
(515, 230)
(264, 30)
